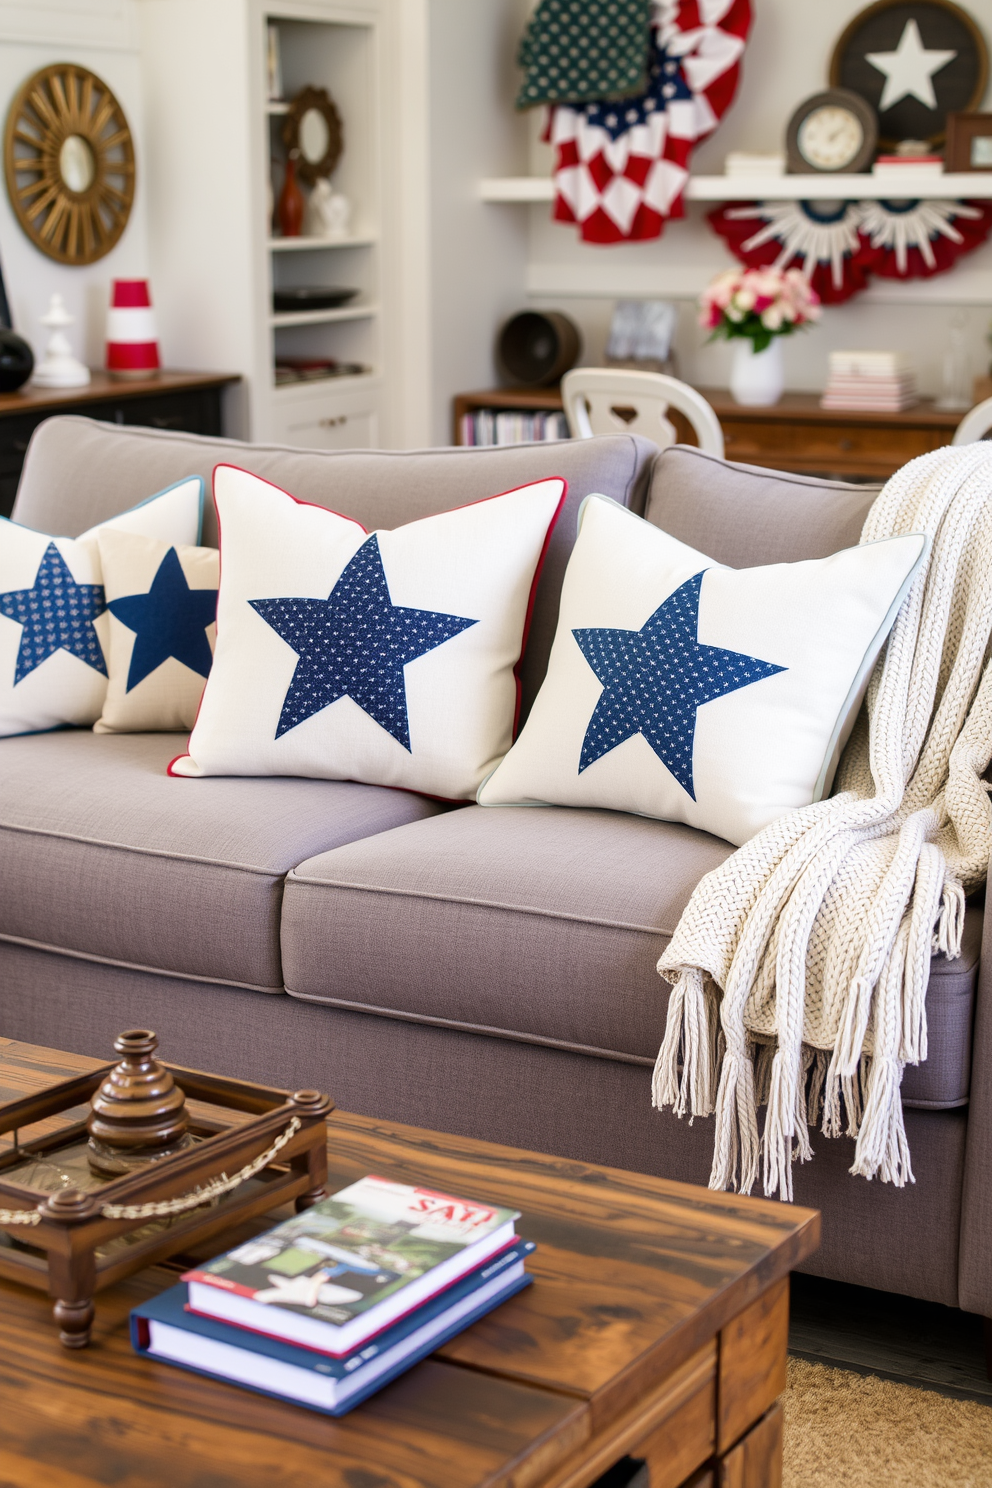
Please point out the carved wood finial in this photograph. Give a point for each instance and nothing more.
(139, 1107)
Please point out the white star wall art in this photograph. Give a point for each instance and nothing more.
(909, 69)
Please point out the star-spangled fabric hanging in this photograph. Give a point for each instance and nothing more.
(171, 619)
(620, 167)
(656, 678)
(355, 644)
(55, 614)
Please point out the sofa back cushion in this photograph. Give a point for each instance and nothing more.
(745, 516)
(78, 472)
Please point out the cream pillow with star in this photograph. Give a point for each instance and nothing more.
(53, 617)
(681, 689)
(162, 604)
(385, 657)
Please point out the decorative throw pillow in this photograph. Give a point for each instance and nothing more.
(53, 620)
(162, 604)
(681, 689)
(386, 657)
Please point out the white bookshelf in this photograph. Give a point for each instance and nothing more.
(336, 51)
(951, 186)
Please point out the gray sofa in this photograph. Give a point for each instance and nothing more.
(486, 971)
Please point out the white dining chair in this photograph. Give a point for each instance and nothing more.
(613, 400)
(975, 425)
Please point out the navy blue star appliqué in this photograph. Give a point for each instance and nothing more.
(355, 644)
(170, 620)
(55, 614)
(654, 679)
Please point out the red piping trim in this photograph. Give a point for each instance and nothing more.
(225, 465)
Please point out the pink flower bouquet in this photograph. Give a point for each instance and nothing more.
(758, 304)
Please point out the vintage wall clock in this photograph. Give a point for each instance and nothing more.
(69, 163)
(834, 131)
(915, 62)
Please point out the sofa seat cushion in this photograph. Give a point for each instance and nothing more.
(542, 924)
(102, 855)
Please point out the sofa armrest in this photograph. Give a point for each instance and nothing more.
(975, 1263)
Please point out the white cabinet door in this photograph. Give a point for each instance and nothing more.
(345, 429)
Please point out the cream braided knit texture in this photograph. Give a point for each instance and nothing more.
(799, 967)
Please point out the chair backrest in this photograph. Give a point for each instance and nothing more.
(975, 425)
(613, 400)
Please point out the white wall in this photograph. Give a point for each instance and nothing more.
(103, 36)
(478, 262)
(787, 59)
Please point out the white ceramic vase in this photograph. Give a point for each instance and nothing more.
(757, 378)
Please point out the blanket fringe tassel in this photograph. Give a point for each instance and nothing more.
(691, 1031)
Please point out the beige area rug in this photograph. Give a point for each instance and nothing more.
(845, 1430)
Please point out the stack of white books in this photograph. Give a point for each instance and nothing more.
(870, 381)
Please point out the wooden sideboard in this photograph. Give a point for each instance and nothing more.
(187, 401)
(796, 434)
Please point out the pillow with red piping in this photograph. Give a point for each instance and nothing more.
(384, 657)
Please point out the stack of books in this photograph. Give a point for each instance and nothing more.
(330, 1306)
(512, 426)
(893, 166)
(870, 381)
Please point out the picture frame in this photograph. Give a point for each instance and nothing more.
(969, 142)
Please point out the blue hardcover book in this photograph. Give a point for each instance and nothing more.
(164, 1329)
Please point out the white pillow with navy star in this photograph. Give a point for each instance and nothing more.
(162, 605)
(385, 657)
(53, 613)
(681, 689)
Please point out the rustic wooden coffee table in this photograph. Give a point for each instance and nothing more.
(656, 1330)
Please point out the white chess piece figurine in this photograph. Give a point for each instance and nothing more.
(59, 368)
(328, 212)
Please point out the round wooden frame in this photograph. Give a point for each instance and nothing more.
(837, 98)
(962, 16)
(73, 227)
(314, 98)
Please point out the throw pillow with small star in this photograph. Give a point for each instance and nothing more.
(162, 605)
(681, 689)
(384, 657)
(54, 623)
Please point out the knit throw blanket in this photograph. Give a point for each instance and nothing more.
(799, 968)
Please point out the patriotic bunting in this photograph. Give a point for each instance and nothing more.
(840, 250)
(621, 166)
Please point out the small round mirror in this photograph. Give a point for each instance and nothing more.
(314, 136)
(77, 166)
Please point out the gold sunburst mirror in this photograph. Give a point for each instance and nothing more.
(69, 163)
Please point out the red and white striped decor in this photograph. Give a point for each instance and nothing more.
(132, 338)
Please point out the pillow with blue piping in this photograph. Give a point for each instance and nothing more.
(681, 689)
(54, 624)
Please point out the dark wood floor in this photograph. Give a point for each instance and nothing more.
(898, 1338)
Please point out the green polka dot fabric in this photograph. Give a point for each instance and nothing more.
(584, 51)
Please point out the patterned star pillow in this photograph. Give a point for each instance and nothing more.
(53, 615)
(386, 657)
(162, 606)
(681, 689)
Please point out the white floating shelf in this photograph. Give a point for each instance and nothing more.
(320, 317)
(973, 184)
(290, 245)
(275, 106)
(315, 385)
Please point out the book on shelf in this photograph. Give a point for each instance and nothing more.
(336, 1275)
(166, 1329)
